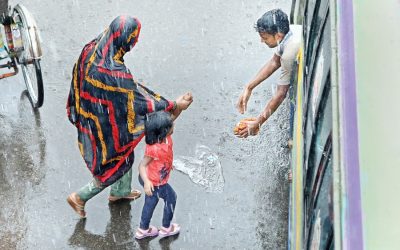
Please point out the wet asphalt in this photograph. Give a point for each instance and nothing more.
(208, 47)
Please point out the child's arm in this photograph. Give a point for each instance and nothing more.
(148, 186)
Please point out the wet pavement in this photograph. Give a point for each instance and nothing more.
(207, 47)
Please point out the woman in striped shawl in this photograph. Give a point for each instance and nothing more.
(107, 106)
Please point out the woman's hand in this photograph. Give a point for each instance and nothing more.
(184, 101)
(243, 99)
(148, 188)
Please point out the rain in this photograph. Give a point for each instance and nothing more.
(232, 193)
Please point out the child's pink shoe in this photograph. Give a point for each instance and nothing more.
(141, 234)
(172, 230)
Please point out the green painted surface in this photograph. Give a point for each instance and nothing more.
(377, 42)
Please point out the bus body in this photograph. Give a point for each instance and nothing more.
(345, 156)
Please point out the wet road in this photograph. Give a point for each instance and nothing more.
(208, 47)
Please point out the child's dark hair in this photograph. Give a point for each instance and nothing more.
(156, 126)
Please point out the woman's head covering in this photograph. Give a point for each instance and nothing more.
(106, 105)
(130, 30)
(120, 37)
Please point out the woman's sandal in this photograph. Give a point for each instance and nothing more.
(173, 229)
(76, 204)
(141, 233)
(133, 195)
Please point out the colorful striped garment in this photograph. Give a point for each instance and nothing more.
(106, 105)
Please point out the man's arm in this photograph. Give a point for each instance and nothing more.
(266, 71)
(273, 104)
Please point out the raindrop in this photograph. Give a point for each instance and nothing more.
(273, 89)
(115, 240)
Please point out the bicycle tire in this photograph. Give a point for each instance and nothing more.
(30, 66)
(36, 94)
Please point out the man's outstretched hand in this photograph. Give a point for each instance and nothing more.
(252, 128)
(243, 99)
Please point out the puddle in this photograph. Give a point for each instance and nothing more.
(203, 169)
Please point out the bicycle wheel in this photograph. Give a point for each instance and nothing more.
(30, 63)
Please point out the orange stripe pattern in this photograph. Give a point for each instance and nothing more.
(106, 105)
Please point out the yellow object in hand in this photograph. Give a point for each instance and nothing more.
(242, 124)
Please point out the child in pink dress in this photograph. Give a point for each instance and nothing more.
(154, 172)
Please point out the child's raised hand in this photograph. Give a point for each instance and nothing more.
(148, 188)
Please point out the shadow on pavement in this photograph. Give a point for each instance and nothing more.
(165, 243)
(22, 157)
(119, 233)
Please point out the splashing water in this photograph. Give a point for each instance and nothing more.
(204, 169)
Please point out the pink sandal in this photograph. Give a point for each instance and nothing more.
(141, 233)
(172, 230)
